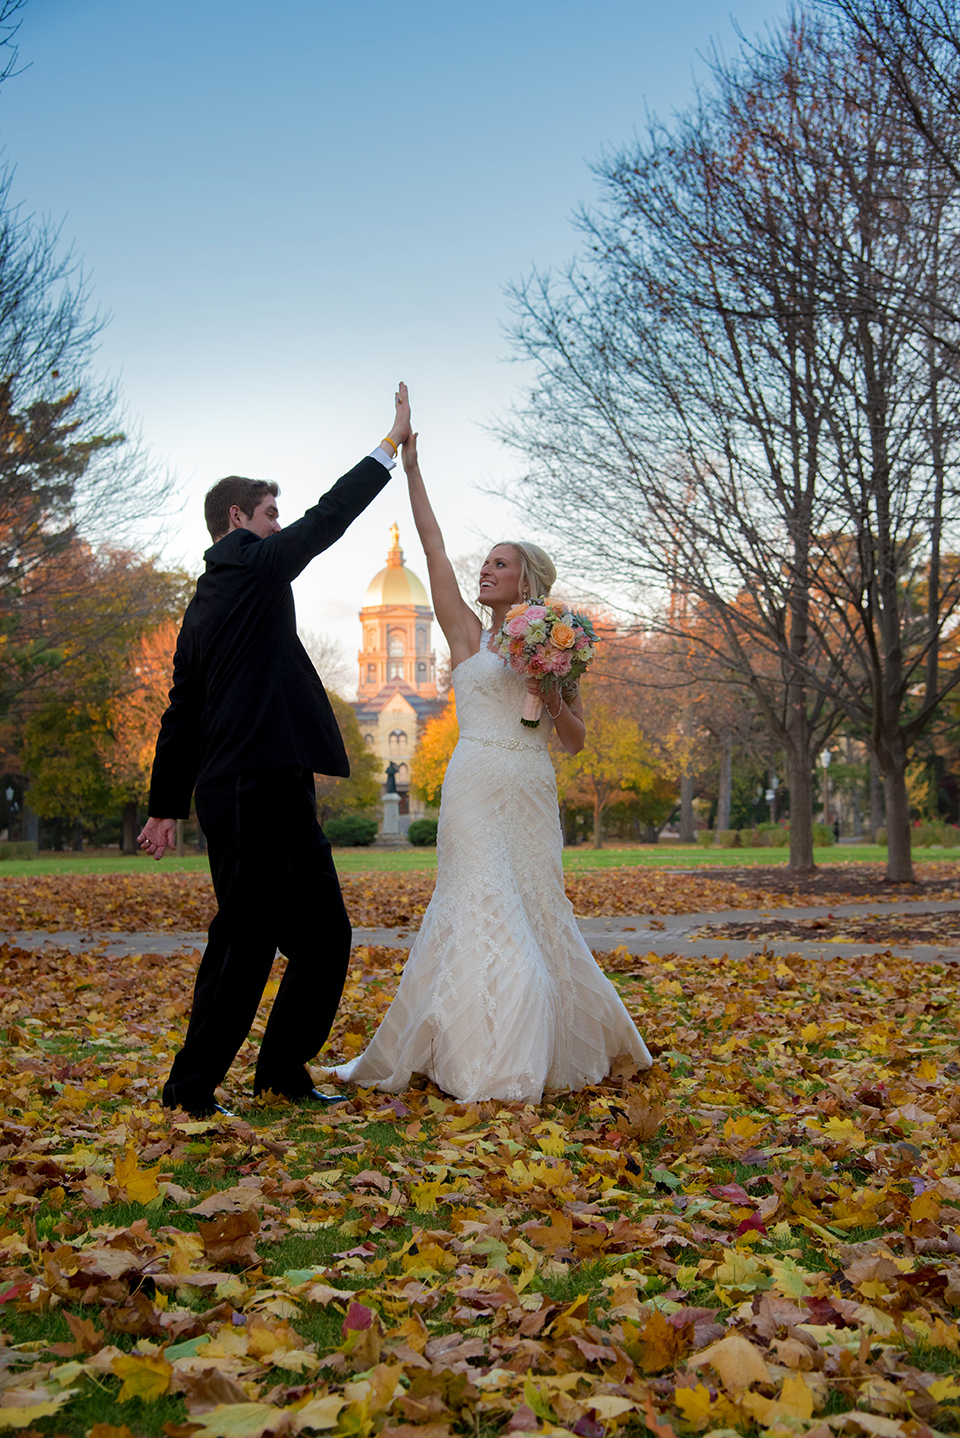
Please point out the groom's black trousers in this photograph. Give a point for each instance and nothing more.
(276, 887)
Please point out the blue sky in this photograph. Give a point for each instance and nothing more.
(286, 208)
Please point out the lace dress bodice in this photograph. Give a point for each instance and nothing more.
(489, 699)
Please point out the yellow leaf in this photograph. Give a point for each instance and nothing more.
(737, 1363)
(144, 1376)
(695, 1405)
(790, 1279)
(796, 1397)
(843, 1128)
(424, 1196)
(319, 1413)
(240, 1420)
(573, 1317)
(608, 1405)
(740, 1271)
(24, 1417)
(743, 1128)
(943, 1389)
(140, 1187)
(925, 1205)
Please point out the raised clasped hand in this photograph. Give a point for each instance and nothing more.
(401, 424)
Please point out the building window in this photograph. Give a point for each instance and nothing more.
(422, 673)
(398, 744)
(395, 642)
(371, 639)
(371, 674)
(421, 639)
(368, 740)
(402, 775)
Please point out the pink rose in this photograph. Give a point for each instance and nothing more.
(536, 611)
(517, 625)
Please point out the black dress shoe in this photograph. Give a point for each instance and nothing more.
(315, 1096)
(210, 1110)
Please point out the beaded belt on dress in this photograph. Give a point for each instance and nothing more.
(501, 743)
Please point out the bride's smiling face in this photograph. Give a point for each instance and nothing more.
(500, 577)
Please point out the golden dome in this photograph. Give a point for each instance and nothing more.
(395, 584)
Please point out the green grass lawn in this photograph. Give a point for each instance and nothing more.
(352, 861)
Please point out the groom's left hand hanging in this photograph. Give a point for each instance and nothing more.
(157, 836)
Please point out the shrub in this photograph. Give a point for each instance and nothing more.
(706, 838)
(777, 837)
(823, 835)
(352, 831)
(882, 837)
(728, 838)
(19, 849)
(422, 831)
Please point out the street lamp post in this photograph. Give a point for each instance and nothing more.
(13, 808)
(771, 797)
(825, 758)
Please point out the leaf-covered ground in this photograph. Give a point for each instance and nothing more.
(878, 928)
(759, 1235)
(153, 898)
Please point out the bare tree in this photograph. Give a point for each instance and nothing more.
(330, 659)
(917, 45)
(746, 396)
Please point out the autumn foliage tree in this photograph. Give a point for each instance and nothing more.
(614, 763)
(361, 790)
(434, 748)
(87, 736)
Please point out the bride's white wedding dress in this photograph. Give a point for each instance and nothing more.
(500, 997)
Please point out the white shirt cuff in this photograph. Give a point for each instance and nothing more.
(383, 457)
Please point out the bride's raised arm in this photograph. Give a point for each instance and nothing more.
(461, 627)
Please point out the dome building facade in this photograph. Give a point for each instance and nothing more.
(397, 688)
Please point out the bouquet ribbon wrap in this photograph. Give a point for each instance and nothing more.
(531, 711)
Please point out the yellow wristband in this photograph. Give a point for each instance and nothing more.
(387, 440)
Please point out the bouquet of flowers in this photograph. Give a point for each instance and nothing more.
(544, 639)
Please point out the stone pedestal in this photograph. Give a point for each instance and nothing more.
(390, 828)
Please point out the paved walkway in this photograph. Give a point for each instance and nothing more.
(638, 933)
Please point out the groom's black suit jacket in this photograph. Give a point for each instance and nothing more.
(245, 695)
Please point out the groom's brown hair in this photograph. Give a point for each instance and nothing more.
(245, 493)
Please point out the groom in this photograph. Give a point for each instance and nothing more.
(248, 726)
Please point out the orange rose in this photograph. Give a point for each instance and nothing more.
(562, 636)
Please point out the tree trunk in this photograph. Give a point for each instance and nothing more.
(598, 823)
(876, 799)
(129, 844)
(688, 832)
(77, 836)
(800, 780)
(29, 823)
(726, 782)
(899, 858)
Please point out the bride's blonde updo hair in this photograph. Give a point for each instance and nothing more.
(538, 573)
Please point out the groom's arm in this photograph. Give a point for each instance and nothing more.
(279, 558)
(177, 758)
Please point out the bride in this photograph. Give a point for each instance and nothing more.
(500, 997)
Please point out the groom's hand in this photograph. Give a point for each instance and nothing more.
(401, 424)
(157, 836)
